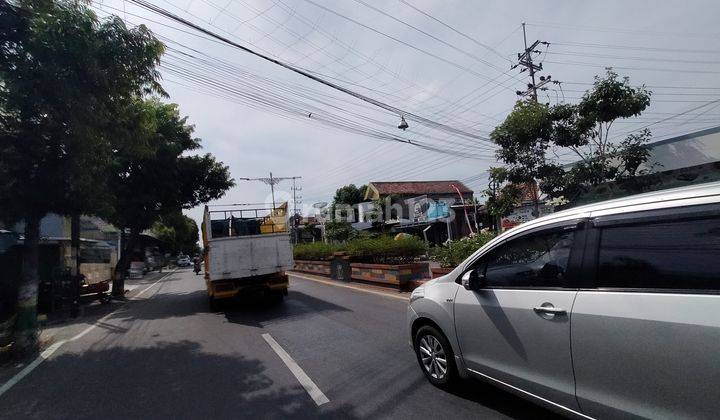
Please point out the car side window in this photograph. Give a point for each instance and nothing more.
(665, 255)
(534, 260)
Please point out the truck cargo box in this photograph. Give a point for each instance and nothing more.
(246, 244)
(236, 257)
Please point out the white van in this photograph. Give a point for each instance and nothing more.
(603, 311)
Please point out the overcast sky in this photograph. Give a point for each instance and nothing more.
(266, 118)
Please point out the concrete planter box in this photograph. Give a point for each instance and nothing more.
(397, 276)
(439, 271)
(313, 267)
(400, 276)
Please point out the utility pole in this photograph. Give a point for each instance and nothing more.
(494, 186)
(296, 200)
(525, 60)
(272, 181)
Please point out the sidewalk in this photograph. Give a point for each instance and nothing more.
(57, 330)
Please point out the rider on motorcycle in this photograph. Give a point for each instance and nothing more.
(196, 263)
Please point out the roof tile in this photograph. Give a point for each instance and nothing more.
(420, 187)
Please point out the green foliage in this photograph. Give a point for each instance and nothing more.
(314, 251)
(386, 249)
(153, 176)
(533, 130)
(345, 198)
(379, 249)
(523, 140)
(178, 233)
(451, 254)
(350, 194)
(336, 231)
(502, 197)
(63, 76)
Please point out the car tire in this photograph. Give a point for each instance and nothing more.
(435, 357)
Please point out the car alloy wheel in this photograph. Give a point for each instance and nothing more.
(433, 357)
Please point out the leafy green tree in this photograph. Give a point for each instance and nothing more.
(346, 197)
(522, 138)
(63, 75)
(534, 132)
(178, 232)
(155, 177)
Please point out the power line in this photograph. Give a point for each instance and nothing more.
(670, 117)
(297, 110)
(622, 30)
(304, 73)
(656, 86)
(407, 44)
(229, 72)
(586, 64)
(429, 35)
(617, 57)
(637, 48)
(195, 34)
(364, 57)
(471, 39)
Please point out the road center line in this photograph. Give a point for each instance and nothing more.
(296, 370)
(55, 346)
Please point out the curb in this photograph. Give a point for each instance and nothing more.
(404, 296)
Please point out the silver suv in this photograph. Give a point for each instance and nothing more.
(602, 311)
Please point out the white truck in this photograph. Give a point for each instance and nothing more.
(246, 250)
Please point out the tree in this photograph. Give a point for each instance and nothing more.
(502, 196)
(346, 197)
(178, 232)
(63, 75)
(153, 177)
(522, 138)
(534, 131)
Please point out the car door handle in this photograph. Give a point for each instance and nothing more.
(549, 310)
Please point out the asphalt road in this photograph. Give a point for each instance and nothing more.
(166, 355)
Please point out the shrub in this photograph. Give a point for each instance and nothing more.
(314, 251)
(386, 249)
(451, 254)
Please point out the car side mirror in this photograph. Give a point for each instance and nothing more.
(472, 280)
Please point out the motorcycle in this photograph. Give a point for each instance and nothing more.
(196, 267)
